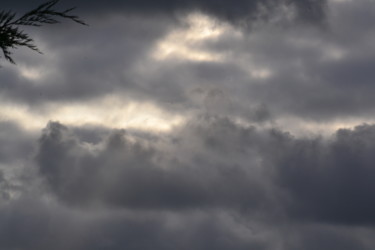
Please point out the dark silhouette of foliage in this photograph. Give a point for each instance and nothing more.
(12, 37)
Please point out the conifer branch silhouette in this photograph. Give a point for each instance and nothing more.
(11, 34)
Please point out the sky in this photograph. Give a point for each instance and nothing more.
(196, 124)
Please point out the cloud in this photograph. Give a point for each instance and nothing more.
(330, 181)
(45, 225)
(120, 172)
(214, 169)
(15, 143)
(217, 164)
(239, 10)
(211, 183)
(325, 180)
(299, 72)
(175, 127)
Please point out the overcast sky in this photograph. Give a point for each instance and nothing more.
(191, 124)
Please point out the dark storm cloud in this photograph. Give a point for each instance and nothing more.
(45, 225)
(315, 237)
(331, 181)
(244, 169)
(121, 188)
(234, 11)
(239, 10)
(127, 174)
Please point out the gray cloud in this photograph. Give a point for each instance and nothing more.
(226, 166)
(330, 181)
(266, 176)
(113, 56)
(46, 225)
(81, 67)
(230, 177)
(122, 173)
(15, 144)
(208, 179)
(239, 10)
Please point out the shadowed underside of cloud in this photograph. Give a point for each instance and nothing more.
(210, 184)
(268, 172)
(332, 181)
(45, 225)
(119, 172)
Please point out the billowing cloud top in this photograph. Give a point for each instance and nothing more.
(191, 125)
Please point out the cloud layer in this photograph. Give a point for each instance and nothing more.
(213, 183)
(191, 125)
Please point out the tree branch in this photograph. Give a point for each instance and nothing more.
(12, 37)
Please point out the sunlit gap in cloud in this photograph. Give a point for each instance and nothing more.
(110, 111)
(31, 73)
(186, 42)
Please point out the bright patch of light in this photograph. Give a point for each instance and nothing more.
(167, 49)
(111, 112)
(184, 43)
(203, 27)
(31, 73)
